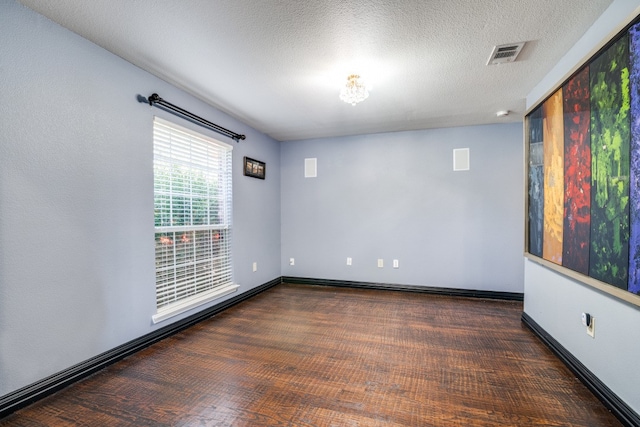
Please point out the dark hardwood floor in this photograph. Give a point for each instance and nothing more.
(299, 355)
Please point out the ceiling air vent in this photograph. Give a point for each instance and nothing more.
(505, 53)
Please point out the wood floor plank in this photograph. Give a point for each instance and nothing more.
(299, 355)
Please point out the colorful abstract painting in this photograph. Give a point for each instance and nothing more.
(610, 142)
(577, 173)
(553, 137)
(634, 235)
(536, 182)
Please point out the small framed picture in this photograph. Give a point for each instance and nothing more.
(254, 168)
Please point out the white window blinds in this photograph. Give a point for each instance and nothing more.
(192, 215)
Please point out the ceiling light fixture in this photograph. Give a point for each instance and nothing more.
(354, 91)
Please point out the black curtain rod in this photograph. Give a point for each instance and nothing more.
(155, 99)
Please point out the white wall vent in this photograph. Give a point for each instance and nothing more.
(460, 159)
(311, 167)
(505, 53)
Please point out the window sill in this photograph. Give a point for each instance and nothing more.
(180, 307)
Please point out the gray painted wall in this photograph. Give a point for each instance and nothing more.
(76, 198)
(555, 301)
(76, 233)
(396, 196)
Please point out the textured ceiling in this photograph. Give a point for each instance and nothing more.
(278, 65)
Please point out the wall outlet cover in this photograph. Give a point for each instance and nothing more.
(591, 329)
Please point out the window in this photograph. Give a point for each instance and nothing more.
(192, 215)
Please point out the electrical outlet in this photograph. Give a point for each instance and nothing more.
(292, 261)
(590, 322)
(349, 261)
(380, 263)
(255, 267)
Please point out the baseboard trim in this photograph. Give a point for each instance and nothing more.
(617, 406)
(25, 396)
(511, 296)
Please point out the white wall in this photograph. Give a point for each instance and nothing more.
(396, 196)
(556, 302)
(76, 198)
